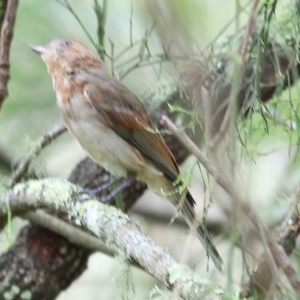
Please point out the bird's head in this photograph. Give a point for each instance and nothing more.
(67, 57)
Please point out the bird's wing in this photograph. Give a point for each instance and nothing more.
(120, 109)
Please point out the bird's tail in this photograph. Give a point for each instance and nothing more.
(187, 208)
(185, 204)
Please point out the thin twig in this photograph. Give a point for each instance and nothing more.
(70, 232)
(5, 160)
(192, 148)
(247, 35)
(238, 76)
(42, 143)
(261, 278)
(7, 30)
(277, 118)
(284, 263)
(229, 117)
(101, 14)
(68, 6)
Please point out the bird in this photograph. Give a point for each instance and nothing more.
(113, 126)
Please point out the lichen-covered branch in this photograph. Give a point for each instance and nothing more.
(109, 224)
(53, 257)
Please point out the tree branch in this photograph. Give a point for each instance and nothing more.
(67, 260)
(71, 233)
(5, 42)
(45, 140)
(109, 224)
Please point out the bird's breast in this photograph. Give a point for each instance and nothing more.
(104, 146)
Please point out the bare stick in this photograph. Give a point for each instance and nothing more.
(284, 263)
(192, 147)
(279, 256)
(247, 35)
(262, 278)
(5, 42)
(70, 232)
(277, 118)
(42, 143)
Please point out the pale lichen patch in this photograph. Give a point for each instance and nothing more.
(11, 294)
(26, 295)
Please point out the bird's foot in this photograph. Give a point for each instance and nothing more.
(110, 197)
(105, 192)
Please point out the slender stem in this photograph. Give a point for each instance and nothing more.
(45, 140)
(67, 5)
(101, 14)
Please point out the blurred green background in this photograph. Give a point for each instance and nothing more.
(30, 110)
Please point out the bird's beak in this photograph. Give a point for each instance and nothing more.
(39, 49)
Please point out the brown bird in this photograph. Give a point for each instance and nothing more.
(113, 126)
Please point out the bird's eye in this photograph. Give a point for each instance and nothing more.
(68, 43)
(70, 72)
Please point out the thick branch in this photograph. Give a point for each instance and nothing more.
(113, 227)
(56, 268)
(45, 256)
